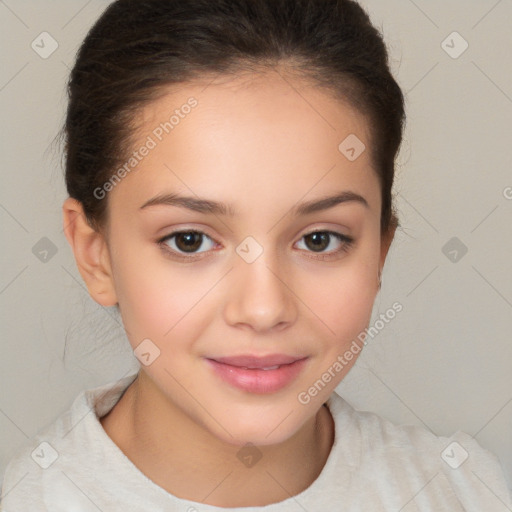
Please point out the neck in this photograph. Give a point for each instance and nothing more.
(189, 462)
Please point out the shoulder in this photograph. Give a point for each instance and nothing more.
(412, 461)
(31, 470)
(41, 475)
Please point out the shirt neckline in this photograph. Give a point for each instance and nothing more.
(102, 399)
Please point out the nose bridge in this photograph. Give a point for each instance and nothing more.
(259, 294)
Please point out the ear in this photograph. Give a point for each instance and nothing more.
(386, 240)
(91, 253)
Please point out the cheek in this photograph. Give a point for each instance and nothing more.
(345, 310)
(343, 298)
(162, 302)
(152, 300)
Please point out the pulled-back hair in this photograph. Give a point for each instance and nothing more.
(138, 48)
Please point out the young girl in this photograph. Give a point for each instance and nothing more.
(230, 166)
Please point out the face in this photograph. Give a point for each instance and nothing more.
(219, 293)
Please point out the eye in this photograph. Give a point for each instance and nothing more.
(318, 241)
(180, 243)
(185, 244)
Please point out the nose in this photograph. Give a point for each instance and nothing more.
(260, 296)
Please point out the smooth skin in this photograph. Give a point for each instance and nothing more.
(263, 144)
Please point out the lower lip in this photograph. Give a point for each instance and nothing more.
(258, 381)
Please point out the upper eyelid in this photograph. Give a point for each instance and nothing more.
(202, 231)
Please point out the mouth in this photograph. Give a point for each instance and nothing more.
(255, 374)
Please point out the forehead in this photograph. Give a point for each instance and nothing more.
(262, 103)
(266, 136)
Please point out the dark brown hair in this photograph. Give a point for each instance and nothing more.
(138, 48)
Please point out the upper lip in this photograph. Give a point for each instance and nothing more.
(251, 361)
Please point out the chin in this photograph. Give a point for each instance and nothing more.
(260, 429)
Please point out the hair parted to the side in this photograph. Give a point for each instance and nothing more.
(138, 48)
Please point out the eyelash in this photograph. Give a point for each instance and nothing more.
(347, 243)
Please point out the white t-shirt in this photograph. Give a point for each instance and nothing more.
(374, 465)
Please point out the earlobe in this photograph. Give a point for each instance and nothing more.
(91, 253)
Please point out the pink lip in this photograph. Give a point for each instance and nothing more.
(256, 361)
(246, 372)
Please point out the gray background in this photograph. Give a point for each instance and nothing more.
(443, 362)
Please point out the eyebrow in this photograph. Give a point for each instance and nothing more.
(216, 208)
